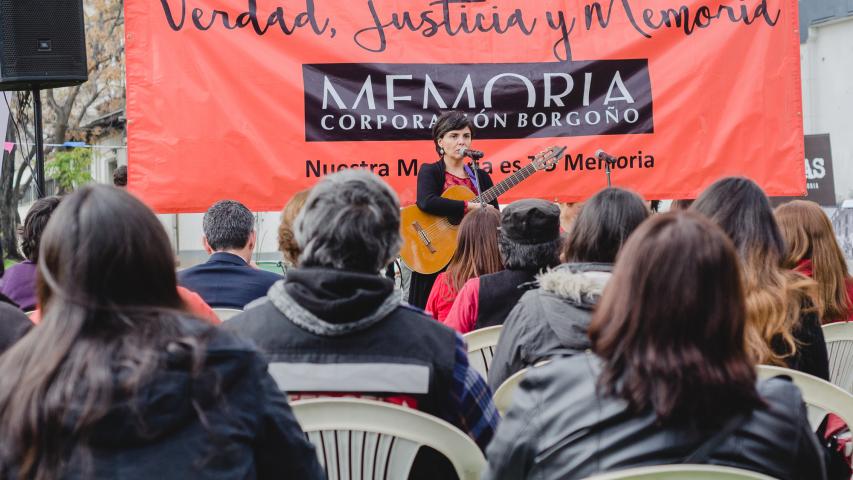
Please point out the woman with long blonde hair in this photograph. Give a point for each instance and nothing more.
(477, 254)
(813, 251)
(783, 326)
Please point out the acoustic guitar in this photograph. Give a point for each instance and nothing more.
(429, 241)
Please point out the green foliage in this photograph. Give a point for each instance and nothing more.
(8, 262)
(70, 168)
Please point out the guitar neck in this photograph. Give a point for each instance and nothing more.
(506, 184)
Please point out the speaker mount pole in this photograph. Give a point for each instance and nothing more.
(40, 188)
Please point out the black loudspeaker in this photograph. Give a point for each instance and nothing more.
(42, 44)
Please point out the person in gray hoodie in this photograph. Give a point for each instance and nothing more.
(552, 318)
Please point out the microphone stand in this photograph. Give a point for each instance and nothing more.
(607, 171)
(476, 165)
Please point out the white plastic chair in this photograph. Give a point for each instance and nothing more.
(366, 440)
(226, 313)
(820, 396)
(503, 395)
(839, 346)
(682, 472)
(481, 347)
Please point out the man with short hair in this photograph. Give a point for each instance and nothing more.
(227, 279)
(529, 241)
(336, 326)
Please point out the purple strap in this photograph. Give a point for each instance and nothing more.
(473, 178)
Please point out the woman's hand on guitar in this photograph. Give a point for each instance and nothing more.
(473, 205)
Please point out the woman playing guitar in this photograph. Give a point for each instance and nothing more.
(451, 133)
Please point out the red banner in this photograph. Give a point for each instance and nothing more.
(255, 99)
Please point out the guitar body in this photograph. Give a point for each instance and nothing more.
(430, 240)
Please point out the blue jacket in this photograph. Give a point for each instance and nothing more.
(226, 280)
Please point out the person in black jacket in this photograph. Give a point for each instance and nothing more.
(783, 326)
(670, 380)
(551, 319)
(123, 383)
(452, 132)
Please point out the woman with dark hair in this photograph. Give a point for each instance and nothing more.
(670, 380)
(476, 254)
(452, 133)
(783, 327)
(19, 282)
(552, 320)
(813, 250)
(117, 378)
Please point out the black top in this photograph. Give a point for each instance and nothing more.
(431, 186)
(14, 324)
(811, 356)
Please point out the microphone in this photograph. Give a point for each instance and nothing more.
(467, 152)
(602, 155)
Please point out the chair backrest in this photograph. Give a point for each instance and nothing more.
(682, 472)
(821, 397)
(366, 440)
(481, 347)
(226, 313)
(839, 346)
(503, 395)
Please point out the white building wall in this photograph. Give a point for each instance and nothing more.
(827, 69)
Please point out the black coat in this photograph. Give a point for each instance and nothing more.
(560, 426)
(14, 324)
(229, 421)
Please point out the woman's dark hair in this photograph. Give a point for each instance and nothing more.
(447, 122)
(34, 224)
(603, 225)
(775, 296)
(108, 294)
(670, 324)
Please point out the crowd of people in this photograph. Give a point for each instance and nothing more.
(651, 326)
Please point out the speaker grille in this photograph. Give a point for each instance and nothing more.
(43, 41)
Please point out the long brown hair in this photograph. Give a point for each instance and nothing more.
(775, 296)
(107, 289)
(670, 324)
(809, 235)
(477, 251)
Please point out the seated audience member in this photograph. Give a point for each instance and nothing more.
(227, 279)
(813, 250)
(124, 383)
(552, 320)
(529, 242)
(120, 176)
(569, 211)
(669, 380)
(336, 326)
(286, 241)
(476, 254)
(783, 327)
(19, 282)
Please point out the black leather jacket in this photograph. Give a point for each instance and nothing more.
(559, 427)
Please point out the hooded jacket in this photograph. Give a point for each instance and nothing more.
(550, 320)
(227, 421)
(561, 427)
(337, 332)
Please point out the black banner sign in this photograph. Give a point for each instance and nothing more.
(820, 181)
(373, 101)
